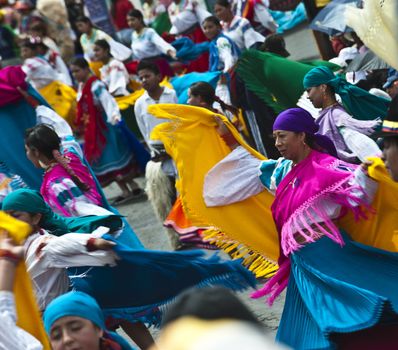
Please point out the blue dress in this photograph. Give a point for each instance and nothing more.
(333, 290)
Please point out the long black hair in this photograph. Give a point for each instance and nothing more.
(45, 140)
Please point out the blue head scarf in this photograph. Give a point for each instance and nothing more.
(80, 305)
(359, 103)
(299, 120)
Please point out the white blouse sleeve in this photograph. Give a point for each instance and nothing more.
(233, 179)
(107, 102)
(361, 145)
(63, 72)
(225, 53)
(11, 336)
(70, 250)
(117, 80)
(161, 44)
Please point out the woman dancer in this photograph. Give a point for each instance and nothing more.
(224, 53)
(106, 146)
(146, 43)
(90, 35)
(115, 287)
(75, 319)
(313, 189)
(236, 28)
(47, 80)
(349, 135)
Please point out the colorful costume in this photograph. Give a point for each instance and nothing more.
(331, 289)
(223, 54)
(44, 78)
(106, 146)
(115, 288)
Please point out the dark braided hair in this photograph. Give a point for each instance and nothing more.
(46, 141)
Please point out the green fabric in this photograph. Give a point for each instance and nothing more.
(162, 23)
(278, 81)
(358, 102)
(31, 201)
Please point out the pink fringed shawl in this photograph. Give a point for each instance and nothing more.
(58, 172)
(303, 193)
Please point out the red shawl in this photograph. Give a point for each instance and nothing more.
(90, 120)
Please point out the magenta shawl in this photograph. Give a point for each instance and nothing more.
(10, 78)
(58, 172)
(302, 193)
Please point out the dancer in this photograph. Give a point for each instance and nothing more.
(309, 239)
(47, 80)
(223, 51)
(238, 29)
(90, 35)
(115, 288)
(106, 146)
(349, 135)
(113, 72)
(160, 172)
(145, 42)
(75, 319)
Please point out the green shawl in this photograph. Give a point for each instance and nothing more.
(358, 102)
(278, 81)
(31, 201)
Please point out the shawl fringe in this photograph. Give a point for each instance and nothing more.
(297, 228)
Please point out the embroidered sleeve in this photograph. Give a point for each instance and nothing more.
(225, 54)
(107, 101)
(161, 44)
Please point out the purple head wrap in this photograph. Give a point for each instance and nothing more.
(299, 120)
(296, 120)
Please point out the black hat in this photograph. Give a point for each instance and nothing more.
(390, 122)
(275, 43)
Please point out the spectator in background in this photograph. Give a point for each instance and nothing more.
(7, 39)
(119, 8)
(391, 85)
(29, 15)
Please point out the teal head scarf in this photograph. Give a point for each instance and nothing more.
(359, 103)
(31, 201)
(82, 305)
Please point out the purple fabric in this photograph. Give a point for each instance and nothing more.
(333, 117)
(299, 120)
(10, 78)
(296, 120)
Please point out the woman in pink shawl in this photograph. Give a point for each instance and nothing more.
(339, 292)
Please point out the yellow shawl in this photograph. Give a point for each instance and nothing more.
(28, 315)
(192, 141)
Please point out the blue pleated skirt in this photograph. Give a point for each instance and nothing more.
(336, 290)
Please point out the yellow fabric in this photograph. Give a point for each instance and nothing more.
(28, 313)
(248, 222)
(381, 228)
(125, 101)
(377, 26)
(95, 67)
(62, 98)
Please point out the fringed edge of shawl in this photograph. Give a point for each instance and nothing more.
(152, 314)
(298, 227)
(252, 260)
